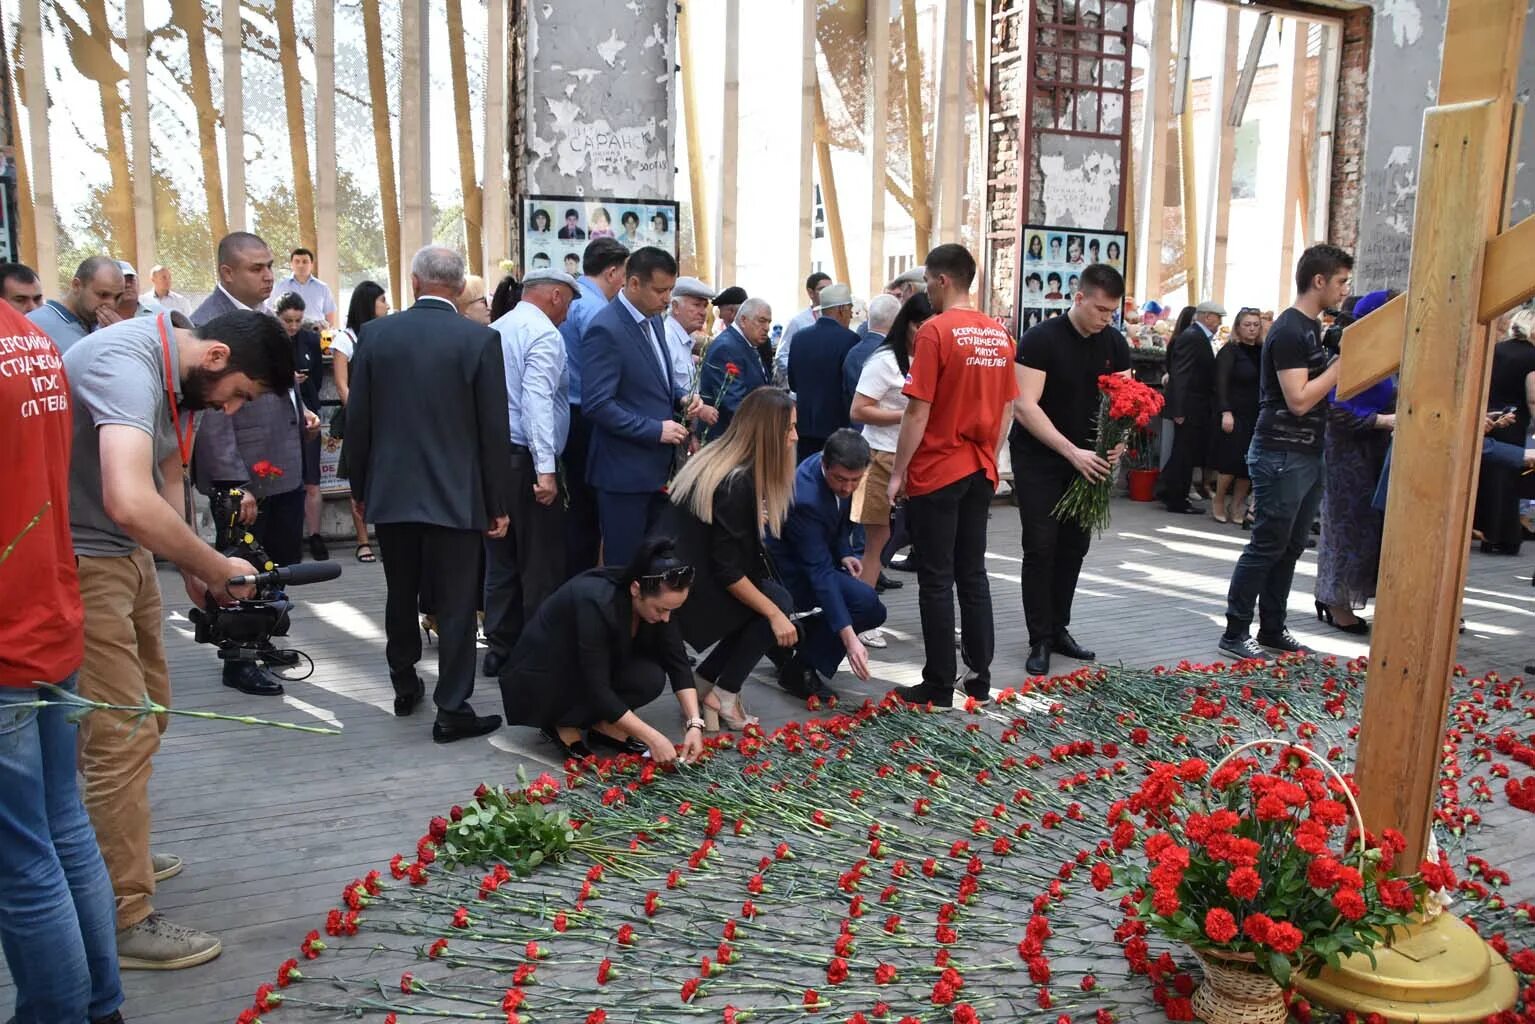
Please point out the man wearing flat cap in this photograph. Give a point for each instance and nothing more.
(689, 311)
(528, 563)
(815, 369)
(1190, 404)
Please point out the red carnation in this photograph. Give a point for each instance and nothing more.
(884, 974)
(1349, 903)
(836, 971)
(732, 370)
(964, 1013)
(689, 989)
(604, 971)
(626, 935)
(597, 1017)
(1220, 926)
(1284, 937)
(1244, 883)
(1103, 876)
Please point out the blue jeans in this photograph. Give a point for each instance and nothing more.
(58, 921)
(1287, 488)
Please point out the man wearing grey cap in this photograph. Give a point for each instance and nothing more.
(689, 311)
(1190, 404)
(815, 369)
(528, 563)
(128, 304)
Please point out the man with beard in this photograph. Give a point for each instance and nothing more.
(134, 388)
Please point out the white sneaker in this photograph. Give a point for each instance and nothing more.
(873, 638)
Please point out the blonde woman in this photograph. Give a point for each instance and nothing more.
(721, 502)
(472, 302)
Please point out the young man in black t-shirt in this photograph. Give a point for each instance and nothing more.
(1052, 441)
(1285, 460)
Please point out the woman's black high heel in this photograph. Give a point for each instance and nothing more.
(578, 750)
(1357, 628)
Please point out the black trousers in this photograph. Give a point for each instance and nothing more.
(583, 534)
(1191, 444)
(737, 653)
(279, 527)
(528, 564)
(1052, 550)
(948, 533)
(417, 557)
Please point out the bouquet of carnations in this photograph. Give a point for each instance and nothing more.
(1125, 406)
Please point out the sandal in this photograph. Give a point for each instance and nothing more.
(369, 557)
(720, 707)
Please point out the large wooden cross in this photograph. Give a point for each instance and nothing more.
(1466, 270)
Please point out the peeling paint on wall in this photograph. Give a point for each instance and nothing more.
(1405, 20)
(1079, 184)
(599, 111)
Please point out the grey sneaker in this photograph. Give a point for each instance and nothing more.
(1243, 647)
(166, 865)
(155, 944)
(1284, 641)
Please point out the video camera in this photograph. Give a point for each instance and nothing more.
(1332, 335)
(244, 630)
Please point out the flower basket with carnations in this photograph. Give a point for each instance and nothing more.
(1125, 405)
(1263, 873)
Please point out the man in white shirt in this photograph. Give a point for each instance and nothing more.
(804, 318)
(689, 310)
(528, 563)
(319, 303)
(161, 296)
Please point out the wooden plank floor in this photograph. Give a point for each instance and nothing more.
(272, 824)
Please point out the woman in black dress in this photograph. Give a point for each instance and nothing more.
(1237, 367)
(600, 647)
(1512, 388)
(726, 495)
(308, 372)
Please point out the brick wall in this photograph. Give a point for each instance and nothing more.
(1349, 133)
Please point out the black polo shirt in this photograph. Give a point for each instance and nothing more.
(1072, 364)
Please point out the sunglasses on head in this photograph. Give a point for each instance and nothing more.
(677, 578)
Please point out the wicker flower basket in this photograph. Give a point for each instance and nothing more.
(1234, 991)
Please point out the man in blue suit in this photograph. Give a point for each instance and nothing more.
(735, 346)
(815, 565)
(628, 393)
(815, 370)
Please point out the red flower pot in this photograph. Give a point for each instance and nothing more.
(1143, 484)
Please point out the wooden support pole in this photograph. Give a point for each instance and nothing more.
(1293, 47)
(1153, 160)
(327, 259)
(41, 168)
(703, 255)
(142, 173)
(415, 139)
(463, 128)
(829, 191)
(730, 153)
(808, 75)
(1224, 159)
(878, 119)
(921, 196)
(1186, 165)
(493, 185)
(949, 145)
(234, 116)
(1330, 55)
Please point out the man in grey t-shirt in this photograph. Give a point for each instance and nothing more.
(127, 499)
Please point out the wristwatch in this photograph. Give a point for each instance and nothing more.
(694, 723)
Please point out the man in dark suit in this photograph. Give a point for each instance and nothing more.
(813, 561)
(1190, 404)
(628, 393)
(268, 429)
(429, 456)
(735, 346)
(815, 369)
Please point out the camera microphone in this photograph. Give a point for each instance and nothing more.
(290, 575)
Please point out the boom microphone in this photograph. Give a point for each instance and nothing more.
(290, 575)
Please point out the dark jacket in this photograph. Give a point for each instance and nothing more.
(808, 558)
(730, 347)
(852, 363)
(308, 359)
(1190, 375)
(720, 553)
(627, 396)
(427, 439)
(570, 654)
(815, 376)
(267, 429)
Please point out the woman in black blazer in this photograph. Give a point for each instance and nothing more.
(726, 495)
(601, 646)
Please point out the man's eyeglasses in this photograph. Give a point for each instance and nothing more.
(678, 578)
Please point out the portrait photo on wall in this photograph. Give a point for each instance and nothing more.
(556, 229)
(1050, 280)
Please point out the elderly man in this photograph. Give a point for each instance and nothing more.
(19, 286)
(815, 370)
(162, 296)
(731, 369)
(429, 461)
(801, 320)
(128, 303)
(91, 302)
(908, 284)
(528, 564)
(819, 570)
(1190, 404)
(882, 312)
(689, 311)
(727, 304)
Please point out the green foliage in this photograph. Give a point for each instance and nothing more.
(504, 827)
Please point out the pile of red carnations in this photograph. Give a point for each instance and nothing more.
(1125, 408)
(889, 865)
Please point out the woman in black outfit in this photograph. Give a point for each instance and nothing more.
(308, 372)
(600, 647)
(726, 495)
(1237, 367)
(1512, 388)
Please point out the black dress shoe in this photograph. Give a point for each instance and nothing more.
(886, 583)
(495, 661)
(248, 677)
(793, 678)
(902, 564)
(578, 750)
(405, 703)
(1065, 643)
(628, 745)
(317, 549)
(447, 730)
(922, 693)
(1187, 510)
(1039, 659)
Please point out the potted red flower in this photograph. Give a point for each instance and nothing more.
(1261, 873)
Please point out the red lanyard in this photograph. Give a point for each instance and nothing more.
(183, 441)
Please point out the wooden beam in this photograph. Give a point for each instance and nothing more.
(949, 145)
(1434, 469)
(1373, 348)
(807, 97)
(730, 154)
(234, 116)
(1294, 46)
(1191, 261)
(1224, 158)
(829, 191)
(1330, 66)
(41, 168)
(1238, 109)
(916, 144)
(1506, 282)
(327, 231)
(137, 40)
(493, 177)
(415, 139)
(878, 120)
(703, 255)
(1153, 160)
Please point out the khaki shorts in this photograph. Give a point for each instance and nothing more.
(871, 502)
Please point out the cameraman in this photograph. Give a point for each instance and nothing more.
(134, 387)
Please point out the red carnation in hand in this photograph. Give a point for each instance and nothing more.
(732, 370)
(1220, 926)
(264, 470)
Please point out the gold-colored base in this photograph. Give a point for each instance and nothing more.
(1439, 972)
